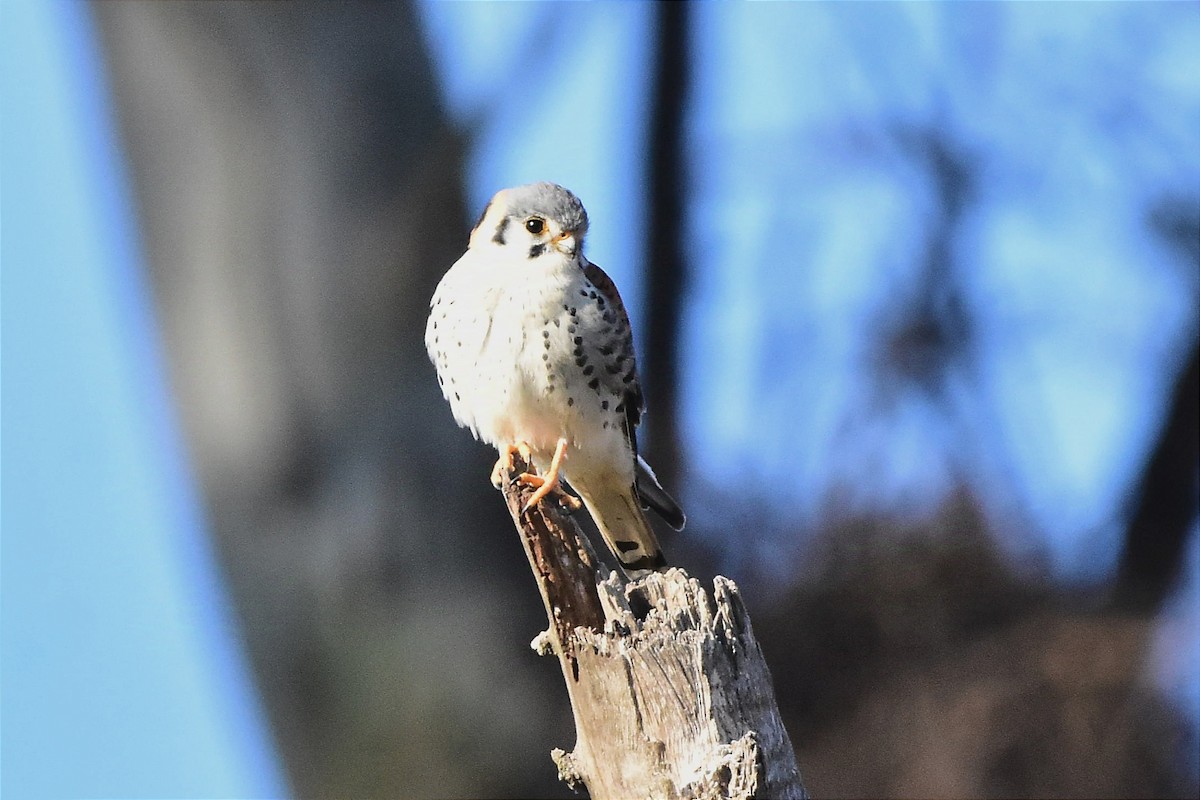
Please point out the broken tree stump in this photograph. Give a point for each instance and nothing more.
(670, 692)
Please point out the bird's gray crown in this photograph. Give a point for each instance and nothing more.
(548, 200)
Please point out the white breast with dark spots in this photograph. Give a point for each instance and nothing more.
(578, 359)
(532, 354)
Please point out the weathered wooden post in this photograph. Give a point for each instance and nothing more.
(670, 692)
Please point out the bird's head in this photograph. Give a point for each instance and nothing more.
(536, 220)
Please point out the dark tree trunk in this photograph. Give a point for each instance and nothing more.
(666, 278)
(1165, 505)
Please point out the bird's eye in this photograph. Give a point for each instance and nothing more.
(535, 225)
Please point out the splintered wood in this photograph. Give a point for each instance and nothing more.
(671, 695)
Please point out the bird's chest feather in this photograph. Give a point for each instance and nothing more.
(557, 388)
(520, 353)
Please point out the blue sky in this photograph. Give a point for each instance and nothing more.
(122, 674)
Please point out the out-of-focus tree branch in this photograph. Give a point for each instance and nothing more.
(1165, 504)
(666, 277)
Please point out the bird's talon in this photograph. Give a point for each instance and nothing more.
(527, 478)
(544, 489)
(549, 483)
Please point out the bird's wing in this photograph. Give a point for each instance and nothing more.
(615, 314)
(654, 496)
(646, 486)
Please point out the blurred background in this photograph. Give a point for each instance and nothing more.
(916, 290)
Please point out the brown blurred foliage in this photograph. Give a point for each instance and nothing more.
(918, 662)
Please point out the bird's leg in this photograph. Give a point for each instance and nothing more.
(549, 483)
(504, 464)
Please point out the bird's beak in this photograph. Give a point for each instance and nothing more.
(566, 242)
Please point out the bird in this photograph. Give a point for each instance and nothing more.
(534, 352)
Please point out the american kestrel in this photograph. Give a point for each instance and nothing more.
(534, 353)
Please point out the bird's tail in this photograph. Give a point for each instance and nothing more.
(618, 515)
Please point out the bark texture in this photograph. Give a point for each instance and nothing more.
(671, 695)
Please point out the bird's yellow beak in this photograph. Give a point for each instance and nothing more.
(566, 242)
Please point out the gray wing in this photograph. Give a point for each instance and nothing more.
(646, 485)
(614, 314)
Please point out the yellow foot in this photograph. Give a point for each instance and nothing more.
(565, 499)
(569, 501)
(504, 464)
(545, 485)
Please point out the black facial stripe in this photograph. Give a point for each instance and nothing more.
(537, 250)
(498, 237)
